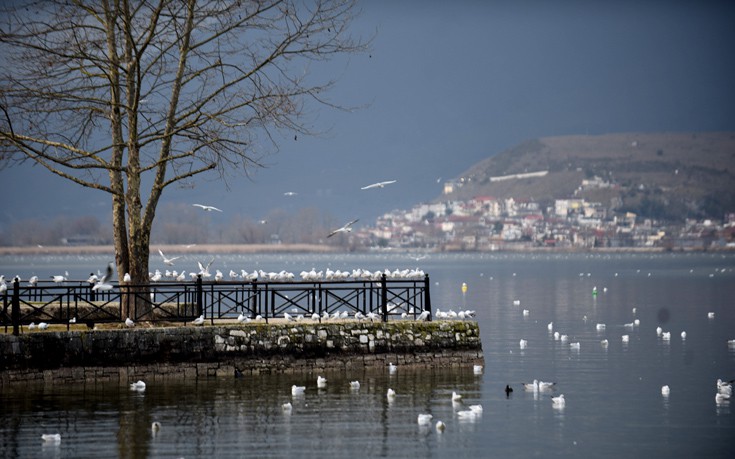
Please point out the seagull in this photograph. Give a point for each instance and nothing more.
(523, 343)
(545, 385)
(129, 323)
(379, 184)
(126, 277)
(167, 261)
(665, 390)
(532, 386)
(155, 427)
(287, 408)
(321, 382)
(477, 369)
(204, 270)
(290, 193)
(392, 367)
(345, 229)
(468, 415)
(297, 390)
(33, 281)
(42, 326)
(355, 385)
(424, 419)
(104, 283)
(207, 208)
(440, 426)
(59, 278)
(73, 320)
(242, 318)
(138, 386)
(558, 401)
(724, 387)
(199, 320)
(391, 393)
(51, 438)
(722, 398)
(456, 397)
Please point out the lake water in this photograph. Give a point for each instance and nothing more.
(614, 405)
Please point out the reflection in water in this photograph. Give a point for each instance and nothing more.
(214, 417)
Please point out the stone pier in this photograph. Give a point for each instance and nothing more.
(126, 355)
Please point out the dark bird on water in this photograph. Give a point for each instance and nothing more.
(508, 390)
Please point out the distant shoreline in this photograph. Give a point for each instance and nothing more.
(315, 248)
(172, 249)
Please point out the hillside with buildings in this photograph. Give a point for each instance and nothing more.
(617, 190)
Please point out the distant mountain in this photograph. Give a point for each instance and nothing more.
(666, 176)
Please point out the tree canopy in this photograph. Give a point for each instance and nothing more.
(131, 97)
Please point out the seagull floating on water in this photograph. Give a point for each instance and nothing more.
(138, 386)
(298, 390)
(51, 438)
(207, 208)
(456, 397)
(347, 228)
(378, 184)
(354, 385)
(523, 343)
(321, 382)
(424, 419)
(391, 393)
(558, 401)
(440, 426)
(155, 427)
(287, 408)
(665, 390)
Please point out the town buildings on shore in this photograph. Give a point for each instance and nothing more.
(486, 223)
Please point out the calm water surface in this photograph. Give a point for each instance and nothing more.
(614, 404)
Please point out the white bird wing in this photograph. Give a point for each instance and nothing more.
(207, 207)
(344, 228)
(108, 274)
(378, 184)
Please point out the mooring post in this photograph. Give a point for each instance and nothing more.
(15, 312)
(384, 297)
(199, 295)
(427, 296)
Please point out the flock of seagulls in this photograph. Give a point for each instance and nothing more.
(471, 413)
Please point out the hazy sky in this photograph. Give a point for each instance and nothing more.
(447, 84)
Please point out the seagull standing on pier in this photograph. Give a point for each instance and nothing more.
(345, 229)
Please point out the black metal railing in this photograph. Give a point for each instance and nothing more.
(77, 302)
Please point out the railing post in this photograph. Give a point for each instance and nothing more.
(15, 311)
(384, 297)
(199, 295)
(427, 296)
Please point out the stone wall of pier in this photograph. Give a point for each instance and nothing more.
(126, 355)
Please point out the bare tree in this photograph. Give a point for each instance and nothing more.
(131, 97)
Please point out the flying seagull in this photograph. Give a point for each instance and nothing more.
(290, 193)
(345, 229)
(207, 208)
(379, 184)
(167, 261)
(104, 283)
